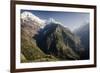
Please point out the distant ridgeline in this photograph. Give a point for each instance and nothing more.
(49, 41)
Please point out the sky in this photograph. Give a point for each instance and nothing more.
(71, 20)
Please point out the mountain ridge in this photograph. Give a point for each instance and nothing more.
(53, 32)
(52, 42)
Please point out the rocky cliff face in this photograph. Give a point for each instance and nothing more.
(59, 41)
(41, 41)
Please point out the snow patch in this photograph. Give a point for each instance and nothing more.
(29, 17)
(52, 20)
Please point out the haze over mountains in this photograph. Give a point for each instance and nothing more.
(83, 33)
(48, 40)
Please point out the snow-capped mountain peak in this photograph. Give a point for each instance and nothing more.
(52, 20)
(28, 17)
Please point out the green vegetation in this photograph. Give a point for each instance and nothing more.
(30, 52)
(56, 44)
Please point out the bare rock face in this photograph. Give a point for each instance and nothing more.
(47, 41)
(29, 28)
(30, 23)
(59, 41)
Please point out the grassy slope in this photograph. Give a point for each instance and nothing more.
(30, 52)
